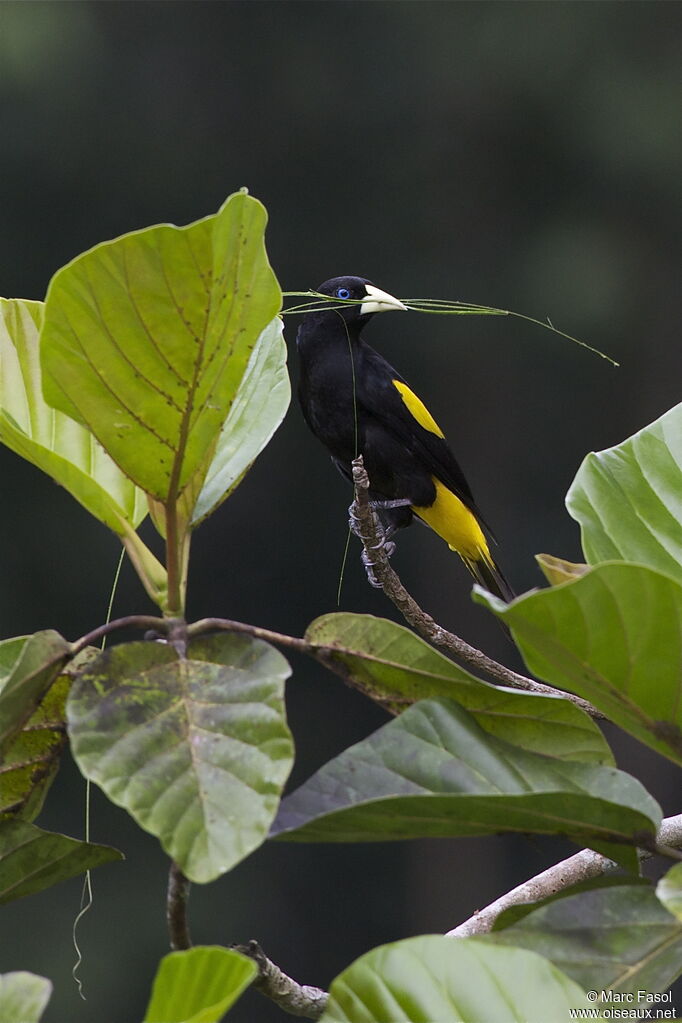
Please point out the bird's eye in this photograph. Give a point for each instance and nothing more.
(342, 293)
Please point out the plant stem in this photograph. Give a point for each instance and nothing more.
(176, 604)
(176, 909)
(129, 621)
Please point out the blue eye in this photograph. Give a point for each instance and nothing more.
(342, 293)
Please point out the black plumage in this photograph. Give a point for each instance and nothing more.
(355, 402)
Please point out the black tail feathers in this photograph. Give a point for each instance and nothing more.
(489, 576)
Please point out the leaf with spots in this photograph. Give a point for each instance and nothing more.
(197, 749)
(146, 340)
(28, 667)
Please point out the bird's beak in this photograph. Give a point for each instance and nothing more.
(379, 301)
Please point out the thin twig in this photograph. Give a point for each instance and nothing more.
(296, 999)
(367, 527)
(227, 625)
(581, 867)
(176, 909)
(129, 621)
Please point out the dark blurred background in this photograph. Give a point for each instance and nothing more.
(524, 155)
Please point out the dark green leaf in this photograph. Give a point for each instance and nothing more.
(396, 667)
(433, 979)
(613, 636)
(197, 750)
(31, 759)
(433, 772)
(28, 667)
(615, 936)
(32, 860)
(146, 339)
(628, 499)
(199, 985)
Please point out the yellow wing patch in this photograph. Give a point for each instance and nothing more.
(451, 519)
(418, 409)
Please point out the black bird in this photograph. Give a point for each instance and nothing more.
(356, 403)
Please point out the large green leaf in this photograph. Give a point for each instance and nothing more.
(196, 749)
(628, 499)
(28, 667)
(32, 860)
(396, 667)
(146, 339)
(199, 985)
(610, 935)
(23, 997)
(433, 979)
(434, 772)
(258, 409)
(613, 636)
(49, 439)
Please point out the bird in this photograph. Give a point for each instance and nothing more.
(356, 403)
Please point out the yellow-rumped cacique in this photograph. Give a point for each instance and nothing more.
(355, 402)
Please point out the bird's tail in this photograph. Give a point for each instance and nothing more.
(486, 572)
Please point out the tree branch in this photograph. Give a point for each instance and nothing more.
(176, 909)
(584, 865)
(296, 999)
(367, 527)
(160, 625)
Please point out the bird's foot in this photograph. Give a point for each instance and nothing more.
(398, 502)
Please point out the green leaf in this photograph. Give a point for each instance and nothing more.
(23, 997)
(433, 772)
(257, 410)
(669, 890)
(32, 860)
(612, 935)
(48, 439)
(199, 985)
(558, 570)
(147, 337)
(31, 759)
(613, 636)
(396, 668)
(28, 667)
(432, 978)
(196, 750)
(628, 499)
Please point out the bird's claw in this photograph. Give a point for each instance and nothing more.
(371, 571)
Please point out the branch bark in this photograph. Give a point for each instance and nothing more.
(584, 865)
(367, 527)
(296, 999)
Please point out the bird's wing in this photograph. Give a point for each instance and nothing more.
(388, 398)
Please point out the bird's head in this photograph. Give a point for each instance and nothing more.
(366, 299)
